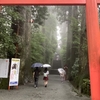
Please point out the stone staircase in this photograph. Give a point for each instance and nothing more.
(54, 72)
(55, 65)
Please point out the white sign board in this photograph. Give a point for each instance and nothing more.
(4, 67)
(14, 72)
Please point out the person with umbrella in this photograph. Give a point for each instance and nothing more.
(62, 73)
(36, 73)
(45, 76)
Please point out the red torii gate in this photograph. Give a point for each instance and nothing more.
(93, 34)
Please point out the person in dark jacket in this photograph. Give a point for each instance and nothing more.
(36, 73)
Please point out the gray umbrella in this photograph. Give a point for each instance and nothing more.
(36, 65)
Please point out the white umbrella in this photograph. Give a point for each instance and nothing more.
(61, 70)
(46, 65)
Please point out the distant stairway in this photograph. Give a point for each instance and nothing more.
(54, 71)
(55, 65)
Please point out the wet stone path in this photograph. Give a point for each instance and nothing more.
(56, 90)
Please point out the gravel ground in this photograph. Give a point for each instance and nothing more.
(56, 90)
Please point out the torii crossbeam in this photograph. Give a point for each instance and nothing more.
(93, 34)
(46, 2)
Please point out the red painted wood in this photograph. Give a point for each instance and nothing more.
(98, 1)
(48, 2)
(93, 36)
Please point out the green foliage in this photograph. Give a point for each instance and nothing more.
(39, 50)
(50, 48)
(86, 86)
(39, 14)
(37, 47)
(6, 39)
(6, 45)
(75, 25)
(75, 67)
(76, 34)
(61, 13)
(78, 58)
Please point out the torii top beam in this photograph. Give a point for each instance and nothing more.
(44, 2)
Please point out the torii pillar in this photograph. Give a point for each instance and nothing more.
(93, 35)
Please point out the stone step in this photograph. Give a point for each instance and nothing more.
(56, 64)
(54, 71)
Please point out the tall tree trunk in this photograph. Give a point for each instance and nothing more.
(23, 29)
(25, 32)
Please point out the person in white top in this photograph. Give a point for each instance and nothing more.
(45, 76)
(62, 75)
